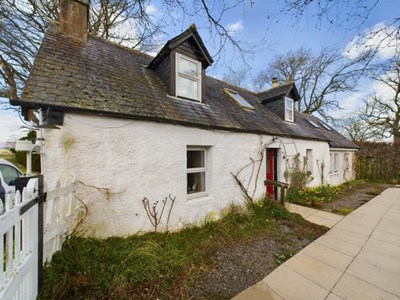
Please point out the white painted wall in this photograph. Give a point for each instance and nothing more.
(128, 160)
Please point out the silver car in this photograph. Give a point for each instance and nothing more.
(8, 174)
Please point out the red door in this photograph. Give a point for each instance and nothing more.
(271, 171)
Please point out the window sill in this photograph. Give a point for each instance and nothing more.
(202, 195)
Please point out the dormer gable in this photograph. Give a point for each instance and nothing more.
(281, 100)
(181, 65)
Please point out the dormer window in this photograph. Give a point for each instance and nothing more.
(289, 109)
(188, 77)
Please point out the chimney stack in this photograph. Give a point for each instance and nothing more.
(74, 17)
(275, 82)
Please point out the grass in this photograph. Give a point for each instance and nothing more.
(160, 265)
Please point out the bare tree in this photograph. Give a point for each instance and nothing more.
(237, 77)
(357, 129)
(382, 113)
(319, 77)
(128, 22)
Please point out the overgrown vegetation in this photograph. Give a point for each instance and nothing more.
(342, 199)
(297, 174)
(166, 265)
(311, 195)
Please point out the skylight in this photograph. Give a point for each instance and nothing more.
(239, 99)
(313, 123)
(326, 126)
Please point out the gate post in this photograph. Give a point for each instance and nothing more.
(42, 198)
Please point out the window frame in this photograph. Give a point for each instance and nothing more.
(309, 157)
(334, 163)
(178, 75)
(244, 104)
(289, 109)
(198, 170)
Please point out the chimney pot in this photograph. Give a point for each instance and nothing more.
(74, 16)
(275, 82)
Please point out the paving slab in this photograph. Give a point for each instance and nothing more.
(352, 288)
(375, 258)
(259, 291)
(314, 215)
(292, 286)
(359, 258)
(375, 275)
(328, 256)
(314, 270)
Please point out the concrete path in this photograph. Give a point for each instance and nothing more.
(314, 215)
(359, 258)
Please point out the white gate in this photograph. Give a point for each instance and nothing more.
(19, 244)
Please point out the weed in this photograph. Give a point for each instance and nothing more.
(284, 254)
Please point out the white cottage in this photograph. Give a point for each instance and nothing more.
(132, 126)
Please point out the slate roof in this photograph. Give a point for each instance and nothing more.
(102, 78)
(277, 92)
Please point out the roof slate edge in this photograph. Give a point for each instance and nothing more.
(30, 104)
(174, 42)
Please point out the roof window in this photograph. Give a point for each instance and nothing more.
(239, 99)
(326, 126)
(313, 123)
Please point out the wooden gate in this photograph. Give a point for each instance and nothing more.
(20, 271)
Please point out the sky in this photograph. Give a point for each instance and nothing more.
(273, 33)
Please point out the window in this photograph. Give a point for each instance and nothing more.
(239, 99)
(9, 174)
(336, 162)
(334, 159)
(289, 109)
(309, 158)
(196, 170)
(313, 123)
(188, 77)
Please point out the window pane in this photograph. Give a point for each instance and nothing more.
(189, 68)
(195, 159)
(187, 88)
(196, 182)
(288, 115)
(9, 173)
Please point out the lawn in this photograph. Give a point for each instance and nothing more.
(215, 260)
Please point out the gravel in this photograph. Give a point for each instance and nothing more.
(238, 267)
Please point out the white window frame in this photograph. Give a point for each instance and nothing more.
(289, 109)
(309, 156)
(334, 163)
(199, 170)
(178, 75)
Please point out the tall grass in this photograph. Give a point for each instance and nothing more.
(141, 266)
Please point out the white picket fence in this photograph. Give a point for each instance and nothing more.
(59, 217)
(19, 236)
(19, 245)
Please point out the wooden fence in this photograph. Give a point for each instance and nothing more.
(378, 161)
(31, 231)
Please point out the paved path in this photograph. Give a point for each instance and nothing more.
(359, 258)
(314, 215)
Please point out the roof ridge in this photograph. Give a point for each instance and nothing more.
(101, 39)
(280, 86)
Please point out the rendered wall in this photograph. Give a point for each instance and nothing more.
(119, 162)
